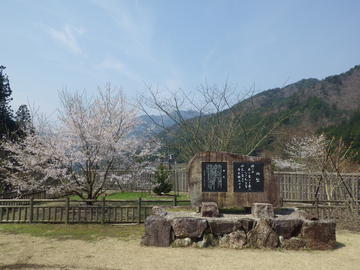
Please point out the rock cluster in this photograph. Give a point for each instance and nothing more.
(288, 232)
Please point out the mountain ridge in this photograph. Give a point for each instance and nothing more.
(308, 106)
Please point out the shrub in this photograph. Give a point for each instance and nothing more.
(162, 180)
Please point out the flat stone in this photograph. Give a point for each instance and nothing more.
(188, 227)
(209, 209)
(262, 210)
(220, 227)
(262, 236)
(286, 228)
(319, 234)
(301, 214)
(157, 232)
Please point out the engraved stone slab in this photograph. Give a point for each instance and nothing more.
(248, 177)
(214, 176)
(231, 180)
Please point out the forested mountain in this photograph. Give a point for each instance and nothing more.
(329, 106)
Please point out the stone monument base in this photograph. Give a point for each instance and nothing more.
(185, 229)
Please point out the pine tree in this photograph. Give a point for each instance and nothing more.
(23, 121)
(7, 123)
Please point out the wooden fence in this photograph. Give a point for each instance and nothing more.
(295, 186)
(298, 186)
(66, 211)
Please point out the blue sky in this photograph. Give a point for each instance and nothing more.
(50, 45)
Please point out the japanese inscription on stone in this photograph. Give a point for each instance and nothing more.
(214, 176)
(248, 177)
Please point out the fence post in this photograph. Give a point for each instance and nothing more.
(139, 210)
(67, 206)
(317, 208)
(174, 200)
(31, 210)
(103, 211)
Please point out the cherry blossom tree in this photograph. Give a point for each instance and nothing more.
(322, 159)
(77, 155)
(307, 153)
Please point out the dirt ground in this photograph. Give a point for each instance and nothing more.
(21, 251)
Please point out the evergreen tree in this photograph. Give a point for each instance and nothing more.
(162, 180)
(23, 121)
(7, 126)
(7, 123)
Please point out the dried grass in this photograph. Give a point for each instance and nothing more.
(21, 251)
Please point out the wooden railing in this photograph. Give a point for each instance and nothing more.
(66, 211)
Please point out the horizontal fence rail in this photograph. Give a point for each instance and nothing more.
(68, 212)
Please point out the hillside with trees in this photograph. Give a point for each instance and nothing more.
(263, 122)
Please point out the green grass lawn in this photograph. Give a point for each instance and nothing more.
(87, 232)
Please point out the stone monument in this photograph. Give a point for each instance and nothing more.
(231, 180)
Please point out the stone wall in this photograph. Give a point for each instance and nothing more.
(183, 229)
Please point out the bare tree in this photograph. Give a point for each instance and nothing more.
(220, 123)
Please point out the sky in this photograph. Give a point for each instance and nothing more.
(50, 45)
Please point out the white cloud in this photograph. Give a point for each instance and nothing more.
(112, 64)
(67, 36)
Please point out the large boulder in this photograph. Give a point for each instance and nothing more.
(220, 227)
(224, 226)
(262, 210)
(236, 239)
(157, 232)
(262, 236)
(209, 209)
(189, 227)
(319, 234)
(286, 228)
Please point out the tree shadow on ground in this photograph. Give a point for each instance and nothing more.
(339, 245)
